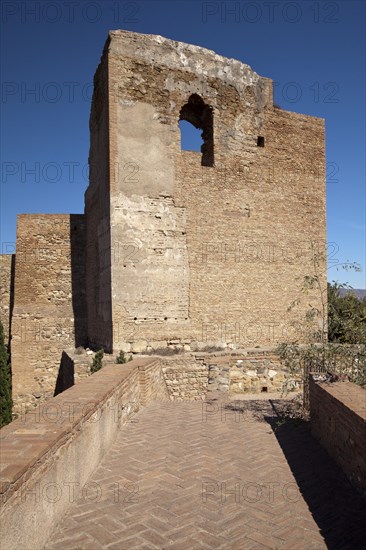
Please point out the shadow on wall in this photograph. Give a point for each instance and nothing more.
(65, 377)
(78, 277)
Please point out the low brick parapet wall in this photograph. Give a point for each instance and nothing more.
(48, 454)
(338, 421)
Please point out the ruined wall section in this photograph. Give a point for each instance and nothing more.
(150, 272)
(97, 211)
(6, 291)
(212, 254)
(49, 307)
(251, 222)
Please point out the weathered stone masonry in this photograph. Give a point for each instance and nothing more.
(175, 247)
(49, 301)
(219, 251)
(6, 291)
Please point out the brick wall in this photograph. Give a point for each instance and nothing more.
(6, 291)
(338, 421)
(208, 254)
(49, 302)
(58, 445)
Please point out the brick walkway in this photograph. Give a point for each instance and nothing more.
(200, 475)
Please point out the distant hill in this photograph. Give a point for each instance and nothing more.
(360, 293)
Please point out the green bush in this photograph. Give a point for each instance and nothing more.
(97, 361)
(6, 402)
(346, 317)
(343, 361)
(121, 358)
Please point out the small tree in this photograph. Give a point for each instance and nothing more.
(97, 361)
(317, 316)
(6, 402)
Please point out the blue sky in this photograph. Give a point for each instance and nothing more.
(313, 50)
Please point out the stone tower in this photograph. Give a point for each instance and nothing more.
(176, 248)
(192, 247)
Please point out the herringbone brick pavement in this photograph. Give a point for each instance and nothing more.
(201, 475)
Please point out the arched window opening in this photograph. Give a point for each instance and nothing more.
(190, 137)
(199, 115)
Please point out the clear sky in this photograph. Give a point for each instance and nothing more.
(313, 50)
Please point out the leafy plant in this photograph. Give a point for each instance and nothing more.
(6, 402)
(346, 316)
(343, 361)
(97, 361)
(318, 316)
(341, 320)
(121, 358)
(314, 327)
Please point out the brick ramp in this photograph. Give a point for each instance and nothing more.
(190, 475)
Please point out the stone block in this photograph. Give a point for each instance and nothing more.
(139, 346)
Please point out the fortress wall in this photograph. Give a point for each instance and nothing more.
(176, 248)
(49, 307)
(97, 210)
(250, 224)
(6, 291)
(208, 254)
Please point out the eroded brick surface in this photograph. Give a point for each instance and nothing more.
(212, 475)
(49, 302)
(6, 290)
